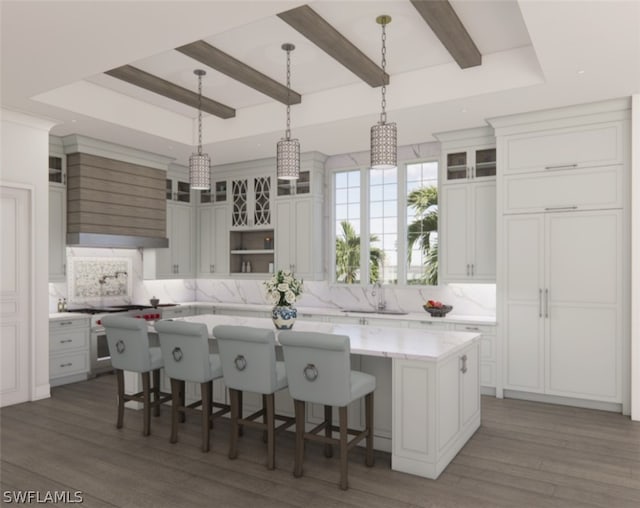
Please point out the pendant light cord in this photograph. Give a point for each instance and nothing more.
(199, 114)
(288, 131)
(383, 114)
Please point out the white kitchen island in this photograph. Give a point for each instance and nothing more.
(434, 392)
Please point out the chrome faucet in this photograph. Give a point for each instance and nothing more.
(378, 291)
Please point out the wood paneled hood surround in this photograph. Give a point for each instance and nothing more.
(114, 203)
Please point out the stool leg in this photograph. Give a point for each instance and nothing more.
(120, 379)
(368, 403)
(265, 420)
(182, 400)
(233, 441)
(343, 448)
(211, 404)
(175, 408)
(271, 430)
(156, 392)
(205, 395)
(146, 397)
(328, 418)
(240, 413)
(299, 410)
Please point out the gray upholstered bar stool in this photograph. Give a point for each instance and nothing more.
(185, 350)
(128, 340)
(249, 364)
(319, 371)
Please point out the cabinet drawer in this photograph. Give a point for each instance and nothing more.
(65, 365)
(429, 325)
(575, 147)
(483, 329)
(73, 338)
(579, 189)
(62, 326)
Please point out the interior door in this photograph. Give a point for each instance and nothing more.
(15, 294)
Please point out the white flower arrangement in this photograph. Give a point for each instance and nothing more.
(283, 288)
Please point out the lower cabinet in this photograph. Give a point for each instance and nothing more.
(436, 409)
(488, 353)
(68, 350)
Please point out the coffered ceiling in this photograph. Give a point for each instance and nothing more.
(67, 61)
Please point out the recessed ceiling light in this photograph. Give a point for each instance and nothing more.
(581, 71)
(73, 120)
(463, 110)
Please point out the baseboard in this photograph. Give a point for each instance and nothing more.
(564, 401)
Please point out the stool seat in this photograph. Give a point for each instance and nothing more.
(318, 367)
(128, 341)
(186, 356)
(249, 364)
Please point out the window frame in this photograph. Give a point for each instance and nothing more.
(365, 219)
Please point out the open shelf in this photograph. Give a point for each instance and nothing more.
(248, 248)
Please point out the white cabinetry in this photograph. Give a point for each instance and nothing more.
(563, 304)
(467, 230)
(57, 233)
(436, 409)
(177, 261)
(488, 353)
(251, 202)
(563, 252)
(467, 237)
(213, 241)
(298, 236)
(68, 350)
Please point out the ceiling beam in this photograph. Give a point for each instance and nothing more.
(306, 21)
(446, 24)
(212, 57)
(143, 79)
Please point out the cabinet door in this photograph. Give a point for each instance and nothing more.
(261, 201)
(583, 274)
(483, 231)
(181, 239)
(163, 264)
(457, 165)
(285, 249)
(523, 293)
(206, 234)
(239, 203)
(454, 237)
(469, 384)
(220, 239)
(57, 233)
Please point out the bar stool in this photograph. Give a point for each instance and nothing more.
(318, 367)
(128, 340)
(185, 350)
(249, 364)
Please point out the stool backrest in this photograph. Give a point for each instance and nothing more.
(318, 366)
(185, 350)
(128, 340)
(248, 357)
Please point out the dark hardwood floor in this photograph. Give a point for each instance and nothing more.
(525, 454)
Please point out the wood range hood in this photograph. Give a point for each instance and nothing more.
(115, 204)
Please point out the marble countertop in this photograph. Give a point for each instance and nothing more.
(328, 311)
(405, 343)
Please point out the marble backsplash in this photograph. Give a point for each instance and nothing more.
(467, 299)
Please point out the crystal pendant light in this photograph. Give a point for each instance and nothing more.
(288, 150)
(384, 136)
(200, 163)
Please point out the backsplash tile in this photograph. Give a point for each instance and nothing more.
(93, 278)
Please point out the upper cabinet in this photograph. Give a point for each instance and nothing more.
(178, 189)
(57, 211)
(251, 202)
(467, 229)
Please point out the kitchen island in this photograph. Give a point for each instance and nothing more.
(431, 378)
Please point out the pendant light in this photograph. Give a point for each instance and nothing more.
(288, 150)
(384, 136)
(200, 163)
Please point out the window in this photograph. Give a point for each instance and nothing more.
(396, 210)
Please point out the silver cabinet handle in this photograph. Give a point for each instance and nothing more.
(468, 273)
(546, 303)
(562, 166)
(552, 208)
(64, 341)
(211, 268)
(473, 171)
(65, 323)
(463, 360)
(540, 303)
(472, 328)
(473, 269)
(69, 364)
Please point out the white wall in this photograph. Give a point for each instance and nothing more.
(24, 160)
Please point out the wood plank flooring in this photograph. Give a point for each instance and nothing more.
(525, 454)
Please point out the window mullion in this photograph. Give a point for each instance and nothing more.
(402, 224)
(364, 227)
